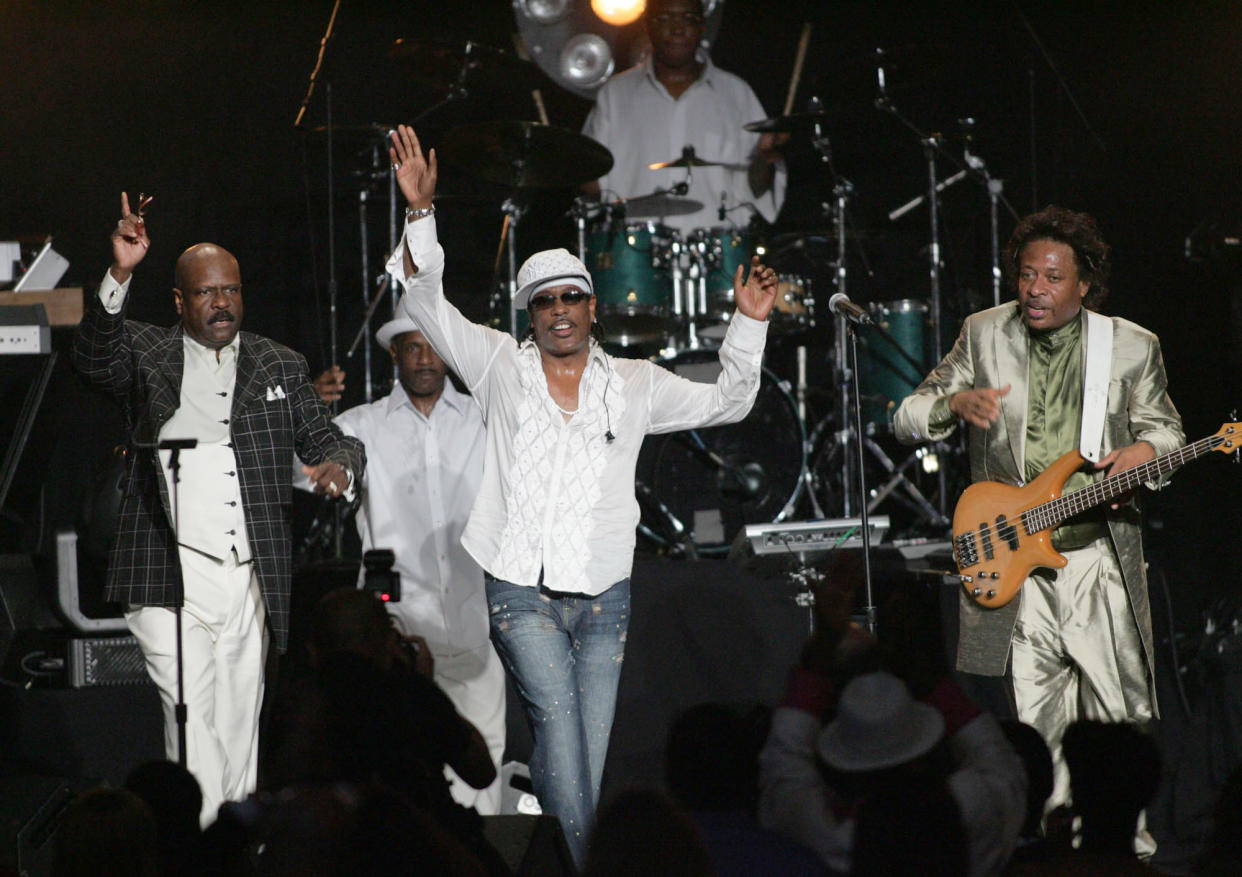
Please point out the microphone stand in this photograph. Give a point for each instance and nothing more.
(869, 611)
(180, 712)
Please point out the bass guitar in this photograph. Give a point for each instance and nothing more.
(1002, 532)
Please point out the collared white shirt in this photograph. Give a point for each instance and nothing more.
(558, 497)
(421, 479)
(642, 124)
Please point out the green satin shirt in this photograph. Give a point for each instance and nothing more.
(1053, 421)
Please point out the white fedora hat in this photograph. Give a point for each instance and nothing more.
(393, 328)
(878, 724)
(558, 264)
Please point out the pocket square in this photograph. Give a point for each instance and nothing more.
(278, 392)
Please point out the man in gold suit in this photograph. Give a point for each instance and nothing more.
(1078, 640)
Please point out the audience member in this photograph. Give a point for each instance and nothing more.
(1036, 843)
(644, 831)
(1223, 851)
(368, 717)
(106, 833)
(713, 771)
(1114, 769)
(814, 777)
(910, 829)
(175, 800)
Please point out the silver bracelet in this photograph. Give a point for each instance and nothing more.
(412, 213)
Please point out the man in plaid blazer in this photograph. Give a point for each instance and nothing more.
(249, 403)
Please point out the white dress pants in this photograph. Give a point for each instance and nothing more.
(224, 643)
(474, 681)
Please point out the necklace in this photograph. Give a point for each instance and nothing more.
(564, 411)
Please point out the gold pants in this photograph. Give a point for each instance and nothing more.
(1076, 652)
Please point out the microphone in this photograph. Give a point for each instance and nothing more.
(841, 305)
(609, 436)
(722, 212)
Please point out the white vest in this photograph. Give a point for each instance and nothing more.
(210, 517)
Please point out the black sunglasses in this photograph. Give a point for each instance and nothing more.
(545, 300)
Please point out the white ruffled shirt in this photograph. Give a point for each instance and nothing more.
(557, 496)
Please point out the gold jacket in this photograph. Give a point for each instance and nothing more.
(992, 351)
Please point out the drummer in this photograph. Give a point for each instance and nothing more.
(679, 98)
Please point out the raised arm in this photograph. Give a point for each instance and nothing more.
(418, 267)
(416, 175)
(100, 349)
(129, 242)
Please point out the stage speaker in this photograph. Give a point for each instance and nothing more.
(532, 846)
(31, 808)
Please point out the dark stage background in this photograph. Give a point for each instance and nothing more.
(1126, 110)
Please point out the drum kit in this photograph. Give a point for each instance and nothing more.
(666, 293)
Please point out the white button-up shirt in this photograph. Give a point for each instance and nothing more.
(557, 497)
(421, 479)
(642, 124)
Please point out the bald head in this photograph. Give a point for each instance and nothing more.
(208, 295)
(210, 253)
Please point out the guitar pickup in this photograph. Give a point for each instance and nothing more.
(985, 537)
(1007, 531)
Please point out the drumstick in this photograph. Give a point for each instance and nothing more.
(519, 46)
(803, 41)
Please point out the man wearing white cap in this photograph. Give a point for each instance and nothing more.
(554, 522)
(425, 442)
(881, 739)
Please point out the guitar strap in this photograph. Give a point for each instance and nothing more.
(1098, 365)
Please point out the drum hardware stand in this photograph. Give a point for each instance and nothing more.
(689, 291)
(365, 244)
(805, 577)
(513, 211)
(800, 395)
(996, 195)
(932, 144)
(683, 537)
(930, 513)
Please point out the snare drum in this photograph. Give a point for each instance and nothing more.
(633, 279)
(885, 376)
(723, 249)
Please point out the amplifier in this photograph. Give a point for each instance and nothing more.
(107, 660)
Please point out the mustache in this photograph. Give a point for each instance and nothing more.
(222, 317)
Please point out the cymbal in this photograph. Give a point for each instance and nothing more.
(438, 62)
(684, 161)
(526, 155)
(689, 159)
(794, 122)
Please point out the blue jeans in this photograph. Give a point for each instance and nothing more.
(564, 652)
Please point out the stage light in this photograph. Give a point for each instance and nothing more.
(580, 43)
(586, 60)
(546, 11)
(618, 12)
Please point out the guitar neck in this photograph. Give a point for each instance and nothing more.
(1053, 512)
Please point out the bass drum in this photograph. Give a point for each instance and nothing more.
(701, 486)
